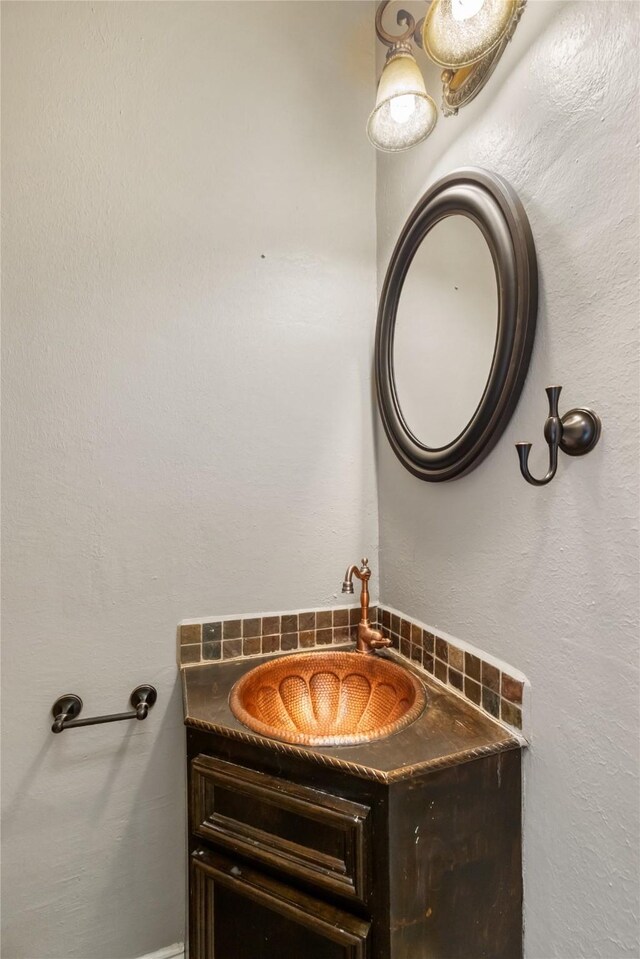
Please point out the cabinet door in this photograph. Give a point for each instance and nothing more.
(302, 832)
(237, 913)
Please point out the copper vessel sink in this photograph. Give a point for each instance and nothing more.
(327, 699)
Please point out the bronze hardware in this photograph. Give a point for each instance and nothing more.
(576, 433)
(66, 708)
(412, 30)
(368, 638)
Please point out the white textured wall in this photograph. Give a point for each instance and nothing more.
(189, 293)
(547, 578)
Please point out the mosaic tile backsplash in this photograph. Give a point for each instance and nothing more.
(484, 684)
(257, 635)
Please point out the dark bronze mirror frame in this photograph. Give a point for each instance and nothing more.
(490, 202)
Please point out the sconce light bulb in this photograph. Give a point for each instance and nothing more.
(459, 33)
(404, 113)
(402, 108)
(464, 9)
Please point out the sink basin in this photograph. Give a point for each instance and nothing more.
(327, 699)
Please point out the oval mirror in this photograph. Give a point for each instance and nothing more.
(455, 324)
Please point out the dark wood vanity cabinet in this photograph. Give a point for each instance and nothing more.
(291, 859)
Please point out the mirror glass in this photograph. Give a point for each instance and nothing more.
(445, 331)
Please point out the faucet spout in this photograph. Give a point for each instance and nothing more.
(368, 638)
(347, 584)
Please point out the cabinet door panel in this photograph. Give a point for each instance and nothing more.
(303, 832)
(237, 913)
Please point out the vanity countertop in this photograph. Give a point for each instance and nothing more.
(449, 731)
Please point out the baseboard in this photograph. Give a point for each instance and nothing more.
(176, 951)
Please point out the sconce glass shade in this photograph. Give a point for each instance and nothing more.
(458, 33)
(404, 113)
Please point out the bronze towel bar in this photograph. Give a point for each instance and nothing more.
(67, 707)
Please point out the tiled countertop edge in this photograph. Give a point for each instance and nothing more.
(354, 768)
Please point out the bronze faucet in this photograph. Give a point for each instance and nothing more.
(368, 638)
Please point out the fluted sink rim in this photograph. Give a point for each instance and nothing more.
(348, 663)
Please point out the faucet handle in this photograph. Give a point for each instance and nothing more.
(365, 565)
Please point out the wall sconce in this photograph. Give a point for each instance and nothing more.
(466, 37)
